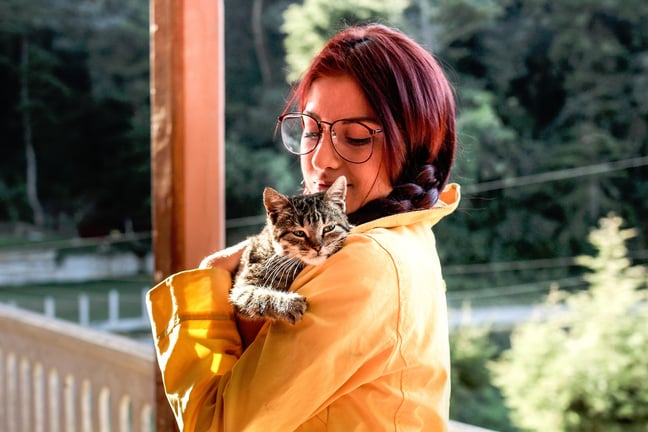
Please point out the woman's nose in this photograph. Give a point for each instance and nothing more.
(324, 155)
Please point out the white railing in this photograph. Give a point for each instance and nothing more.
(115, 320)
(58, 376)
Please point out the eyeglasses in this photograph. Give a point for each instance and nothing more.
(352, 140)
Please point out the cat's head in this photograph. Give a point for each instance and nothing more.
(308, 227)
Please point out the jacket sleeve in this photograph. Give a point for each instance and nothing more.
(290, 372)
(196, 338)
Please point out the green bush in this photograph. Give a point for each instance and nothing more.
(584, 367)
(474, 400)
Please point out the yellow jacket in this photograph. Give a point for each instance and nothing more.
(370, 354)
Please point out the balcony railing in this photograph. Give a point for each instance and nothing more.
(57, 376)
(60, 377)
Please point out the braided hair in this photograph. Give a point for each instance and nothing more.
(413, 99)
(418, 189)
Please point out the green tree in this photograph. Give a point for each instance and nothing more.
(474, 399)
(79, 121)
(584, 367)
(255, 94)
(541, 86)
(567, 76)
(451, 27)
(31, 65)
(309, 25)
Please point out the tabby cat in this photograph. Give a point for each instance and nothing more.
(300, 230)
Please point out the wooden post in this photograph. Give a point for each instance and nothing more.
(187, 148)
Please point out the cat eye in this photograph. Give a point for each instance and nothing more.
(327, 229)
(301, 234)
(352, 140)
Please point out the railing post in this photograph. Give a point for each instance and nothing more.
(144, 314)
(49, 306)
(84, 310)
(113, 307)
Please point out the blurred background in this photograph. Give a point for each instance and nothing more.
(553, 127)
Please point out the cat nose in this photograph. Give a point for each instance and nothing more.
(317, 247)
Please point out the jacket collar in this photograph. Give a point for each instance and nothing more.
(447, 203)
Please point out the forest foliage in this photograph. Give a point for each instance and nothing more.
(578, 365)
(589, 371)
(549, 93)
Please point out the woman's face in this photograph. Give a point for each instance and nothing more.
(330, 99)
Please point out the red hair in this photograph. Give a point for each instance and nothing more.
(408, 90)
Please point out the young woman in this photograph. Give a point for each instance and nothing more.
(371, 352)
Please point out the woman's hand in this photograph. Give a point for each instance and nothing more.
(228, 259)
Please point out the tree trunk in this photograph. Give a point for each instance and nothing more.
(30, 154)
(259, 43)
(425, 25)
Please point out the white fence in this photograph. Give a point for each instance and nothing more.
(115, 321)
(112, 317)
(57, 376)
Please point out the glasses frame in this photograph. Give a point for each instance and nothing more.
(372, 133)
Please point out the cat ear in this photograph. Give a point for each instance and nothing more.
(274, 202)
(337, 191)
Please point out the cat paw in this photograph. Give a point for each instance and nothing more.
(259, 303)
(291, 308)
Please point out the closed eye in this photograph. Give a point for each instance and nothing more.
(357, 142)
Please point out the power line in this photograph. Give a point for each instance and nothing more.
(509, 266)
(546, 263)
(511, 290)
(601, 168)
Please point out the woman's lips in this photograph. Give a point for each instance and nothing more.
(324, 185)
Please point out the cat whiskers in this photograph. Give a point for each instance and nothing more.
(284, 270)
(281, 267)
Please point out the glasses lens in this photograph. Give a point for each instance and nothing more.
(299, 133)
(352, 140)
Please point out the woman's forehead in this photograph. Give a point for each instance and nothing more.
(333, 98)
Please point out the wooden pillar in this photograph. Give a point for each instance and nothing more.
(187, 134)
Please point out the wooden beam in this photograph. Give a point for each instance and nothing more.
(187, 113)
(187, 141)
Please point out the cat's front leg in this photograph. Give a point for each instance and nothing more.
(260, 303)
